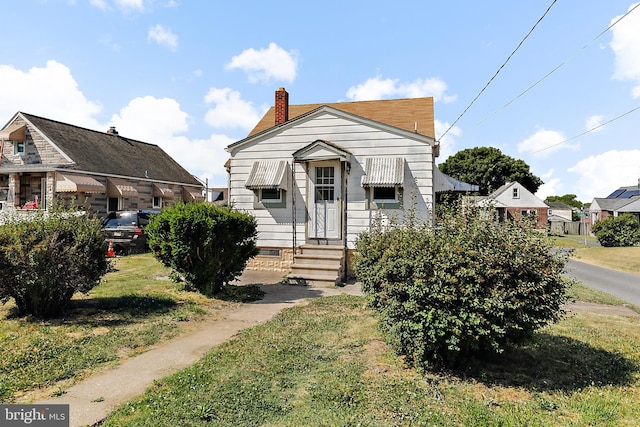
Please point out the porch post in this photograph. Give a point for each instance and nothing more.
(14, 183)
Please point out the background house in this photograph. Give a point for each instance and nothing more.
(43, 160)
(317, 175)
(622, 200)
(514, 201)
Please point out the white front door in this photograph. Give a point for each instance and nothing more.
(324, 203)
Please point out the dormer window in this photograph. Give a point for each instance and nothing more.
(18, 148)
(516, 193)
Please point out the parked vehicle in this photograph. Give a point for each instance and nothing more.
(125, 229)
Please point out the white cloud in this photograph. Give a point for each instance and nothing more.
(551, 187)
(163, 37)
(266, 64)
(544, 142)
(230, 111)
(594, 123)
(448, 143)
(100, 4)
(379, 88)
(625, 44)
(601, 174)
(130, 4)
(51, 92)
(161, 122)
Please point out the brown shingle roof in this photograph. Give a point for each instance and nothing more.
(100, 152)
(401, 113)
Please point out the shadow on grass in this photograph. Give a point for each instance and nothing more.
(246, 293)
(555, 363)
(112, 311)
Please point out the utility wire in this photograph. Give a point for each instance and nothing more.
(583, 133)
(556, 68)
(499, 69)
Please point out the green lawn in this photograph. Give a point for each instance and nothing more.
(135, 307)
(325, 364)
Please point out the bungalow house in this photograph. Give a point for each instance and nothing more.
(43, 160)
(317, 175)
(514, 201)
(623, 200)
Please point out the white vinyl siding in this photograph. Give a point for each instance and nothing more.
(275, 226)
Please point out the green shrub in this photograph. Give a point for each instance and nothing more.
(205, 245)
(46, 259)
(622, 230)
(471, 288)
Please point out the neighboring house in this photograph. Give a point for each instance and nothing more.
(514, 201)
(623, 200)
(317, 175)
(43, 160)
(560, 210)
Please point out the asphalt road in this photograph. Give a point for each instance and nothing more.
(622, 285)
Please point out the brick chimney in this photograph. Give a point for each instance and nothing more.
(112, 131)
(282, 106)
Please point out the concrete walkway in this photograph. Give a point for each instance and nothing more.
(92, 399)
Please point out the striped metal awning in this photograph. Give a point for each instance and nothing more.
(120, 188)
(268, 175)
(160, 190)
(192, 194)
(75, 183)
(14, 132)
(383, 172)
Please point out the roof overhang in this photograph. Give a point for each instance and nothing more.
(120, 188)
(321, 150)
(383, 172)
(444, 182)
(74, 183)
(14, 132)
(268, 175)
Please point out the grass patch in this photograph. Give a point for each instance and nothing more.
(625, 259)
(133, 308)
(572, 241)
(325, 363)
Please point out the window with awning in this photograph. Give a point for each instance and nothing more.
(120, 188)
(383, 172)
(75, 183)
(270, 175)
(160, 190)
(14, 132)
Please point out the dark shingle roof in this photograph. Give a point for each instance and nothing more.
(103, 153)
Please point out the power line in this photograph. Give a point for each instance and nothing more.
(556, 68)
(583, 133)
(499, 69)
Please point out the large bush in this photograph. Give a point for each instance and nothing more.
(205, 245)
(622, 230)
(47, 258)
(471, 288)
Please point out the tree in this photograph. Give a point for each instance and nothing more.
(46, 259)
(207, 246)
(621, 230)
(567, 199)
(488, 168)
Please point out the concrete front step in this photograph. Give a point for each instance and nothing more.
(313, 279)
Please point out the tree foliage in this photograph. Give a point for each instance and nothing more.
(567, 199)
(46, 259)
(621, 230)
(489, 168)
(473, 287)
(205, 245)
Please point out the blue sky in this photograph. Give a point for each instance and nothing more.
(195, 76)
